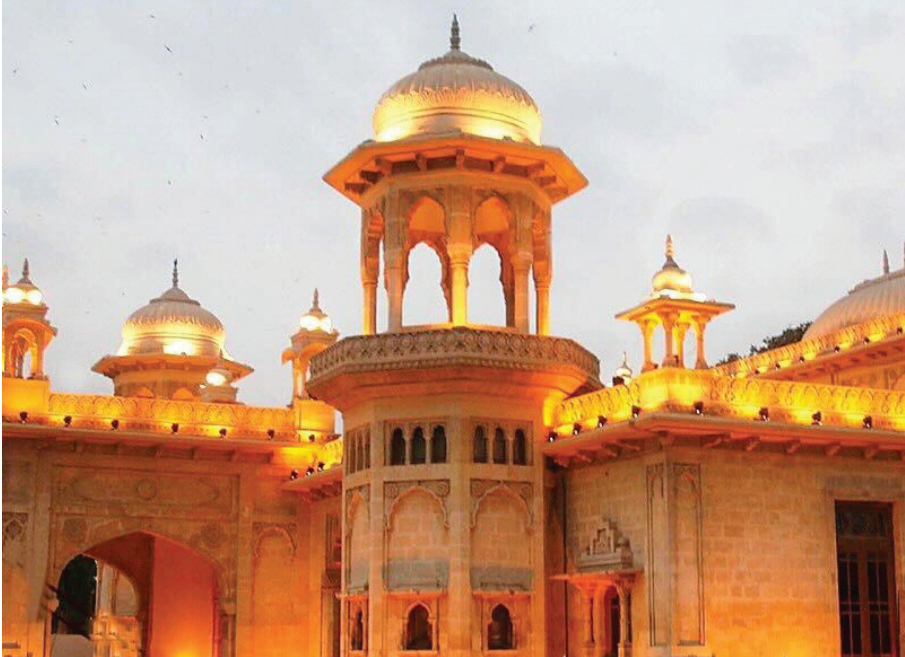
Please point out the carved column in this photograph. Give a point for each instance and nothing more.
(370, 271)
(394, 256)
(700, 359)
(647, 332)
(587, 602)
(599, 611)
(624, 644)
(543, 269)
(459, 247)
(681, 330)
(521, 264)
(669, 323)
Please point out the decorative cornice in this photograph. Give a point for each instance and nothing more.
(453, 347)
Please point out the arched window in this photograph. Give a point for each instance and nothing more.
(499, 446)
(419, 446)
(397, 448)
(480, 446)
(358, 631)
(353, 453)
(499, 631)
(438, 445)
(520, 448)
(359, 453)
(418, 629)
(367, 439)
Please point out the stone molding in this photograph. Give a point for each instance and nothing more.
(608, 550)
(453, 347)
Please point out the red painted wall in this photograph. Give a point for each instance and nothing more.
(183, 596)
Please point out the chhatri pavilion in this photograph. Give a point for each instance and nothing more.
(491, 493)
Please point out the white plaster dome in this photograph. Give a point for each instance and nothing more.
(876, 297)
(174, 324)
(457, 92)
(671, 278)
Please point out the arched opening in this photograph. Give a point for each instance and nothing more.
(419, 447)
(424, 301)
(613, 623)
(479, 446)
(357, 639)
(140, 594)
(499, 446)
(359, 454)
(438, 445)
(418, 629)
(520, 448)
(486, 299)
(21, 353)
(397, 448)
(499, 631)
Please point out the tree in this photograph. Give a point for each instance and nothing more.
(790, 335)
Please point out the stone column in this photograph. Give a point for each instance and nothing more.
(587, 602)
(459, 256)
(600, 639)
(624, 644)
(700, 360)
(669, 323)
(647, 333)
(394, 255)
(521, 264)
(681, 329)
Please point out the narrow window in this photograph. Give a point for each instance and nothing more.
(867, 604)
(520, 448)
(418, 629)
(499, 632)
(367, 439)
(359, 452)
(499, 446)
(438, 445)
(397, 448)
(419, 446)
(358, 631)
(480, 445)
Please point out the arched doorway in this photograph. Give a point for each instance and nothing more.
(158, 596)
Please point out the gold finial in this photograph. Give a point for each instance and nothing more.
(315, 302)
(454, 40)
(670, 249)
(175, 272)
(25, 269)
(885, 262)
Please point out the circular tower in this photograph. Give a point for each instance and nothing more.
(443, 485)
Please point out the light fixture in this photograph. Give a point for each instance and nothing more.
(223, 432)
(114, 424)
(699, 408)
(217, 378)
(552, 436)
(23, 417)
(618, 381)
(868, 422)
(35, 297)
(764, 414)
(67, 421)
(817, 419)
(174, 427)
(309, 472)
(14, 295)
(801, 359)
(837, 348)
(866, 339)
(601, 421)
(310, 437)
(576, 429)
(270, 434)
(320, 466)
(636, 411)
(293, 475)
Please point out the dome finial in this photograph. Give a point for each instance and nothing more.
(454, 40)
(175, 272)
(315, 302)
(885, 262)
(25, 269)
(670, 249)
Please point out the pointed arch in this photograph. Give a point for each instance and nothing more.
(426, 265)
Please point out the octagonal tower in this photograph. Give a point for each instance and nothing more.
(443, 482)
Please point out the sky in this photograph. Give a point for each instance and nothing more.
(767, 137)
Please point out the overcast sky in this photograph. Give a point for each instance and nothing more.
(767, 137)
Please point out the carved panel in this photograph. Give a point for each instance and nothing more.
(437, 488)
(657, 555)
(18, 481)
(480, 488)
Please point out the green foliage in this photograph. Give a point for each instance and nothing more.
(790, 335)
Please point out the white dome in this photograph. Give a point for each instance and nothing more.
(175, 324)
(884, 295)
(457, 92)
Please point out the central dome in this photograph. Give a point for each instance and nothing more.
(457, 92)
(174, 324)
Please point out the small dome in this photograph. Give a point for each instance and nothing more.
(173, 323)
(316, 319)
(876, 297)
(457, 92)
(23, 291)
(671, 277)
(624, 372)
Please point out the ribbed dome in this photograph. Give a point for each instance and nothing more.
(884, 295)
(173, 323)
(457, 92)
